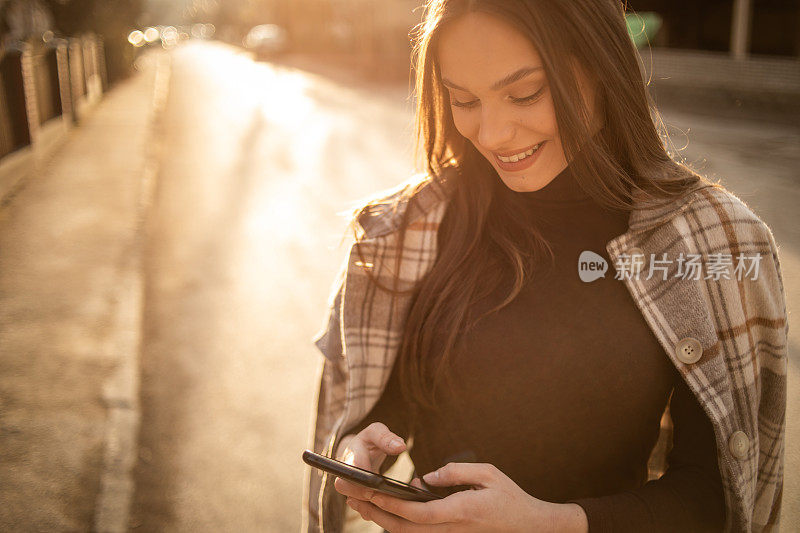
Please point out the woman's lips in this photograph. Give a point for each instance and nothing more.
(522, 164)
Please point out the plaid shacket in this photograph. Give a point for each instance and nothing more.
(741, 325)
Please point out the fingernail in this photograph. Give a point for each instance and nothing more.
(397, 443)
(431, 475)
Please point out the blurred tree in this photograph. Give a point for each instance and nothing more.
(22, 19)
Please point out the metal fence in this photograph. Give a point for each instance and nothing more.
(43, 83)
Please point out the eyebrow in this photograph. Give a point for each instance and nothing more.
(508, 80)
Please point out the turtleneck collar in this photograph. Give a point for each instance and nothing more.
(562, 191)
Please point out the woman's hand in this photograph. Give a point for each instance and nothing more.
(366, 450)
(495, 503)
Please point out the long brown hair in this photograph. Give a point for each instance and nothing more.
(627, 154)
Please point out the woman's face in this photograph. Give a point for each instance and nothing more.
(501, 101)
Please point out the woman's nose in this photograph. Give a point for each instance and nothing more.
(496, 131)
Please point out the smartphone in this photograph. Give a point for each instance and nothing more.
(369, 479)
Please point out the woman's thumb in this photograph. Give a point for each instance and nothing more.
(432, 478)
(476, 474)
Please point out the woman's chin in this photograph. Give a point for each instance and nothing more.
(522, 183)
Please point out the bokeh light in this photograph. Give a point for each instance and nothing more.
(151, 34)
(136, 38)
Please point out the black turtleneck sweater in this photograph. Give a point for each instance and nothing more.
(563, 390)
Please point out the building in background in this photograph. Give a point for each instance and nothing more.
(727, 54)
(740, 27)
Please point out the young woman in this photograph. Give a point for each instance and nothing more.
(521, 316)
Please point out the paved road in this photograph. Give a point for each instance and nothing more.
(242, 250)
(243, 245)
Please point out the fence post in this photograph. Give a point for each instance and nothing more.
(29, 86)
(94, 87)
(77, 81)
(740, 28)
(101, 62)
(64, 81)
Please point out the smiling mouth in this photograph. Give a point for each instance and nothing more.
(521, 155)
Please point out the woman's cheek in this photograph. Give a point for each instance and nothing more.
(545, 116)
(464, 125)
(536, 119)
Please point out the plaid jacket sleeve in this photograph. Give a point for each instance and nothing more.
(330, 401)
(772, 385)
(752, 329)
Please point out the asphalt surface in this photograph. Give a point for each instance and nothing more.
(242, 250)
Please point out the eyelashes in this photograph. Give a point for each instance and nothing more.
(464, 104)
(527, 100)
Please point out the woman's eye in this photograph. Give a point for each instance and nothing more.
(469, 104)
(528, 99)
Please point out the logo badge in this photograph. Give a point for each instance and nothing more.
(591, 266)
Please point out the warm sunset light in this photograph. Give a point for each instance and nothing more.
(366, 266)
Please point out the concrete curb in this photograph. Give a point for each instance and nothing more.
(23, 164)
(121, 391)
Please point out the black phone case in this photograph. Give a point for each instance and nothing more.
(368, 479)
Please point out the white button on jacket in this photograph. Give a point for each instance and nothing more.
(689, 350)
(738, 444)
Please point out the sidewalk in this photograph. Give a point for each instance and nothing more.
(70, 297)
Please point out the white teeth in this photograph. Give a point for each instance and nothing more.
(520, 156)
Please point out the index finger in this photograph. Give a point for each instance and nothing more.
(378, 436)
